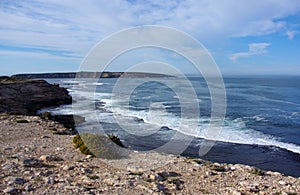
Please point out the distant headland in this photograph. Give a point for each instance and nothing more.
(88, 75)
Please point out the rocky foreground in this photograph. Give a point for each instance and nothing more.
(36, 159)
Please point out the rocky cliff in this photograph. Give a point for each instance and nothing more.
(25, 96)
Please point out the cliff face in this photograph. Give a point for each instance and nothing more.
(23, 96)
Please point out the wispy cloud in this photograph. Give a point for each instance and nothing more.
(291, 34)
(74, 27)
(254, 49)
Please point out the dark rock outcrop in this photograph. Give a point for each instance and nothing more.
(23, 96)
(69, 121)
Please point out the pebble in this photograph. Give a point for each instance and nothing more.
(59, 149)
(15, 180)
(282, 183)
(135, 169)
(152, 177)
(8, 166)
(28, 188)
(48, 158)
(31, 162)
(11, 190)
(160, 187)
(68, 168)
(49, 180)
(86, 170)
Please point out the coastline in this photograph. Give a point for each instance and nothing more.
(37, 158)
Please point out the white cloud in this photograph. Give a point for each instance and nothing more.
(254, 49)
(291, 34)
(76, 26)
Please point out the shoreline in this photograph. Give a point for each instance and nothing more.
(56, 167)
(38, 156)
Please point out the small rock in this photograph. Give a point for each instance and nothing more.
(59, 149)
(27, 172)
(28, 188)
(15, 180)
(49, 158)
(156, 177)
(209, 173)
(166, 174)
(282, 183)
(71, 187)
(89, 156)
(9, 165)
(44, 174)
(109, 181)
(160, 187)
(235, 192)
(10, 190)
(135, 169)
(31, 162)
(86, 170)
(159, 178)
(130, 183)
(68, 168)
(152, 177)
(45, 137)
(49, 180)
(61, 184)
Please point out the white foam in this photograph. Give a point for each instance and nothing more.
(257, 118)
(97, 83)
(233, 131)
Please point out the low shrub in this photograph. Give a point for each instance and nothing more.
(93, 177)
(257, 171)
(116, 140)
(21, 121)
(99, 145)
(80, 144)
(45, 115)
(212, 166)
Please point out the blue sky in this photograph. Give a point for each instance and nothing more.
(244, 37)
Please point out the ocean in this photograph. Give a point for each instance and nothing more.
(261, 127)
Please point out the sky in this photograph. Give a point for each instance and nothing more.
(244, 37)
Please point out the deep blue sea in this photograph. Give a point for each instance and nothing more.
(261, 127)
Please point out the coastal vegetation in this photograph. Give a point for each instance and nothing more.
(97, 145)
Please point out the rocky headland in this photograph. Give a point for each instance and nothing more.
(38, 156)
(25, 96)
(89, 75)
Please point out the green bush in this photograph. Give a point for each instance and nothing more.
(98, 145)
(80, 144)
(116, 140)
(21, 121)
(257, 171)
(93, 177)
(212, 166)
(45, 115)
